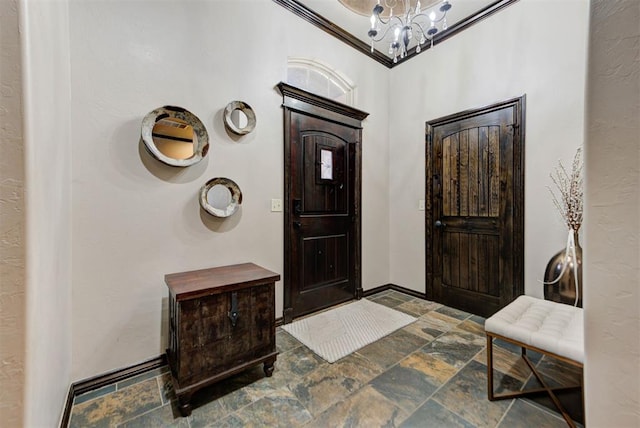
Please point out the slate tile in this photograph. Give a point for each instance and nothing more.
(400, 296)
(525, 415)
(166, 416)
(418, 307)
(434, 415)
(286, 342)
(366, 408)
(506, 362)
(392, 348)
(298, 362)
(388, 301)
(437, 371)
(456, 347)
(404, 386)
(466, 395)
(454, 313)
(117, 407)
(277, 410)
(79, 399)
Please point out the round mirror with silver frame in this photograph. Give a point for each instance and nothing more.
(220, 197)
(239, 118)
(175, 136)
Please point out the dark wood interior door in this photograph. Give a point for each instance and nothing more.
(322, 203)
(475, 212)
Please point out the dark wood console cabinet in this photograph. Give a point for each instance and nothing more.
(221, 321)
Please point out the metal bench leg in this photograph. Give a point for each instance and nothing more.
(545, 387)
(490, 368)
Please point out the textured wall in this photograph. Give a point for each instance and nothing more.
(612, 228)
(46, 98)
(12, 246)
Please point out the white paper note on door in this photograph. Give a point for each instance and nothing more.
(326, 164)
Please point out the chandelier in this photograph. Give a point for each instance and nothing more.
(410, 25)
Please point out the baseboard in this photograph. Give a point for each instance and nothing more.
(99, 381)
(380, 289)
(66, 412)
(394, 287)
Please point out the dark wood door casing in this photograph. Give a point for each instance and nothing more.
(474, 217)
(321, 216)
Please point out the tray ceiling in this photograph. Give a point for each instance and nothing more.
(348, 20)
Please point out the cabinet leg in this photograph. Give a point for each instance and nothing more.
(184, 405)
(268, 367)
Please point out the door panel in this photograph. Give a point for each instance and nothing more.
(322, 203)
(325, 262)
(475, 198)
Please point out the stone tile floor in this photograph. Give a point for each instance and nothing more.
(430, 373)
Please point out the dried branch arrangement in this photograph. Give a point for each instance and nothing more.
(568, 200)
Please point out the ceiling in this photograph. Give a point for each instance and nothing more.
(341, 21)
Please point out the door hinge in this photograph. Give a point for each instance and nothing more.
(515, 128)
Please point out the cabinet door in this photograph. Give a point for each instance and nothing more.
(209, 342)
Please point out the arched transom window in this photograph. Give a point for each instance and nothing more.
(321, 79)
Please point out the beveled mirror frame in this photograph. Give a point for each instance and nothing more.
(244, 108)
(340, 33)
(201, 147)
(236, 197)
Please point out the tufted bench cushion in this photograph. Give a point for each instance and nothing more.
(549, 326)
(554, 329)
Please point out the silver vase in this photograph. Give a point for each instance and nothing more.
(559, 277)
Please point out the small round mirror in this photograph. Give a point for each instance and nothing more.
(220, 197)
(175, 136)
(239, 118)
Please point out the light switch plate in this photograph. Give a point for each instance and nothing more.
(276, 205)
(421, 205)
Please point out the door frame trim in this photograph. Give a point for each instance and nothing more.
(301, 101)
(519, 104)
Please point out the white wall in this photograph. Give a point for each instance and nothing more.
(45, 55)
(12, 222)
(534, 47)
(612, 227)
(135, 220)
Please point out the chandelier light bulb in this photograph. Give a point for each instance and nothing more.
(373, 21)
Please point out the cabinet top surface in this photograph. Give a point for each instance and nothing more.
(186, 285)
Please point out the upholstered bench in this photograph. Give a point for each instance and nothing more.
(550, 328)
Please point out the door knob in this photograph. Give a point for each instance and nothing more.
(440, 224)
(297, 224)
